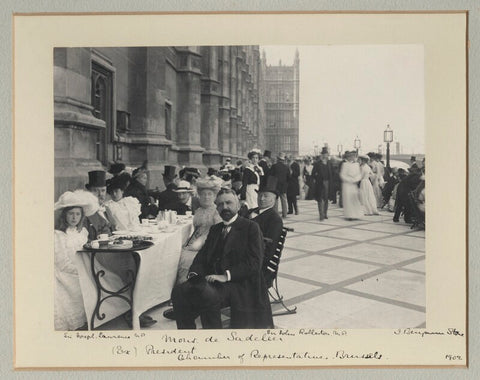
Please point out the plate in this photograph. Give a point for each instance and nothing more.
(138, 245)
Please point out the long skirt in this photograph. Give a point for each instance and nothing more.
(352, 209)
(367, 197)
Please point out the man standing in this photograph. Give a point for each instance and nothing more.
(265, 163)
(322, 174)
(282, 173)
(227, 271)
(168, 195)
(267, 218)
(97, 223)
(293, 189)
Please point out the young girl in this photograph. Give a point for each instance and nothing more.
(122, 212)
(70, 236)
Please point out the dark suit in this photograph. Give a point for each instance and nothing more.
(241, 253)
(96, 225)
(167, 196)
(271, 225)
(281, 171)
(322, 174)
(293, 189)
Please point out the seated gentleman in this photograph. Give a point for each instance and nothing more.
(168, 195)
(183, 202)
(97, 223)
(227, 271)
(267, 218)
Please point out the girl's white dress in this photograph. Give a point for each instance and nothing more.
(124, 213)
(203, 219)
(367, 197)
(69, 311)
(350, 176)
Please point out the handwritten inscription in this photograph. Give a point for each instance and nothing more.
(424, 333)
(275, 346)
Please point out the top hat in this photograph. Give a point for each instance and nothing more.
(169, 171)
(96, 178)
(116, 168)
(267, 153)
(413, 158)
(324, 150)
(270, 186)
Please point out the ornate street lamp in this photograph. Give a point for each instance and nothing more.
(339, 150)
(388, 138)
(357, 144)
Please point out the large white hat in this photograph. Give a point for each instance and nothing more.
(79, 198)
(210, 182)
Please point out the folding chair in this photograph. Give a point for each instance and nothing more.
(271, 275)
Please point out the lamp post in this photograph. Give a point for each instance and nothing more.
(339, 150)
(357, 144)
(388, 138)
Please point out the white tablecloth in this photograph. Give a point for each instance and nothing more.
(156, 277)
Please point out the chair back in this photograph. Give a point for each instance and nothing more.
(271, 270)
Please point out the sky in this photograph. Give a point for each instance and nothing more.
(349, 91)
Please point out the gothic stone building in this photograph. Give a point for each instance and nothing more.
(282, 100)
(183, 106)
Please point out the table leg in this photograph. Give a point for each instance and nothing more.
(120, 293)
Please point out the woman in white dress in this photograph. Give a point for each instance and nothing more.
(367, 197)
(70, 236)
(205, 217)
(377, 179)
(122, 212)
(351, 176)
(252, 174)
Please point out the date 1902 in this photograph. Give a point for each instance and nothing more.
(453, 357)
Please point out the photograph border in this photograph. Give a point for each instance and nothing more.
(312, 12)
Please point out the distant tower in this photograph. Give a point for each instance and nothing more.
(282, 85)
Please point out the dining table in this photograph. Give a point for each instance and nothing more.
(114, 281)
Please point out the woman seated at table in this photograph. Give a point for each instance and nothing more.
(205, 217)
(138, 189)
(70, 236)
(122, 211)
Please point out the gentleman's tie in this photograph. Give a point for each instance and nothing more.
(224, 231)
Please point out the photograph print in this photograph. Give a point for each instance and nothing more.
(243, 187)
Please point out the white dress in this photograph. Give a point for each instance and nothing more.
(367, 197)
(350, 176)
(375, 180)
(203, 219)
(69, 311)
(124, 213)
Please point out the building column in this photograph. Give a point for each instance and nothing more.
(224, 135)
(209, 106)
(188, 126)
(146, 138)
(76, 131)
